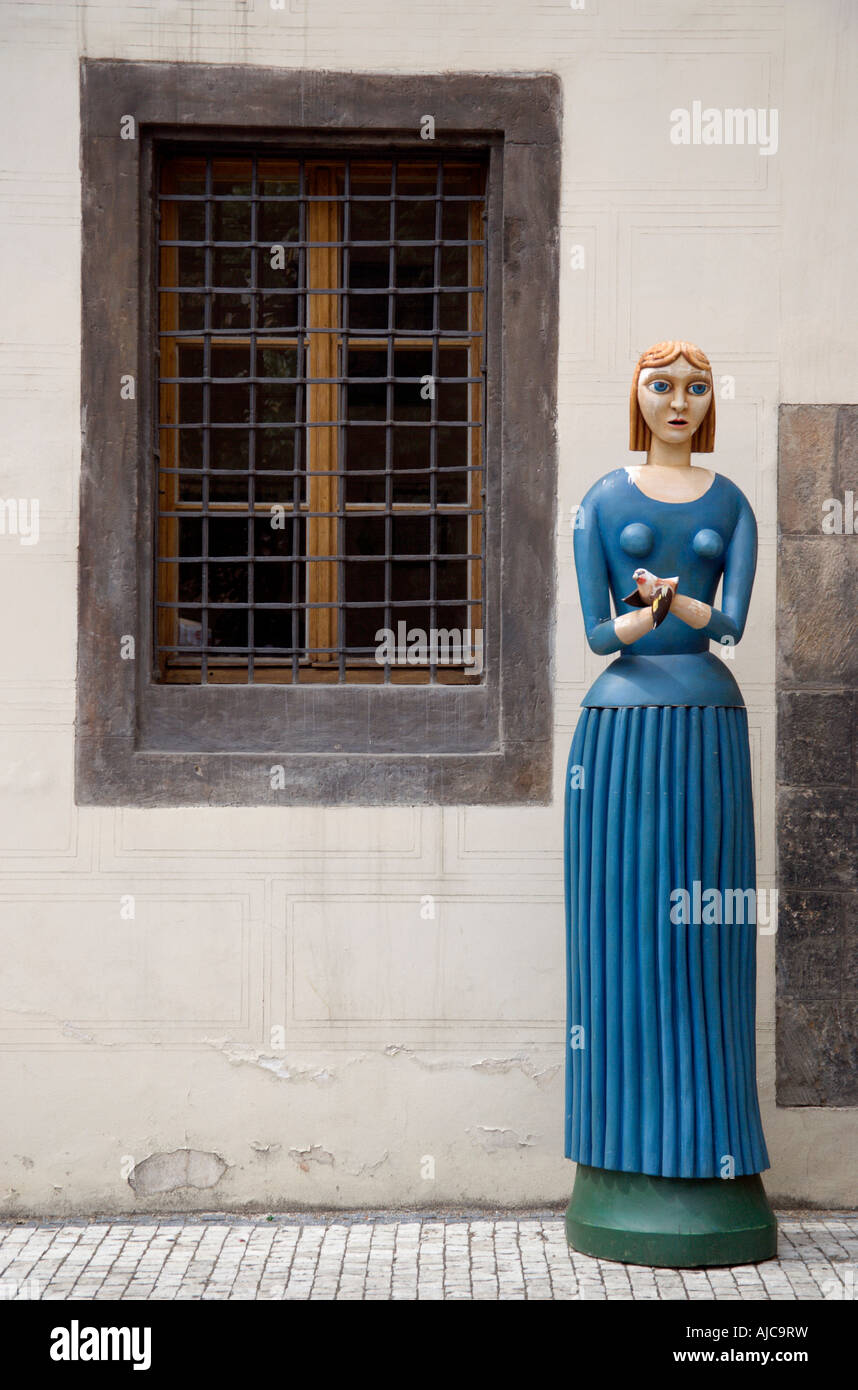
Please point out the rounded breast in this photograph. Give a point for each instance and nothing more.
(637, 539)
(708, 544)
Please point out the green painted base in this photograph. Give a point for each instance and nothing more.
(675, 1223)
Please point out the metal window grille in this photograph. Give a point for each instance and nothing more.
(320, 453)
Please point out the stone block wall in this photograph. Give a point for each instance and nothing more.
(817, 756)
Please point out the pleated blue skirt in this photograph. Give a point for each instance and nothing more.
(661, 1056)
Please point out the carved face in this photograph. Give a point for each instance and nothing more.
(673, 400)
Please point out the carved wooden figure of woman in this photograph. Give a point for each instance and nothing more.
(662, 1114)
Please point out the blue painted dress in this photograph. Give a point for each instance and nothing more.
(661, 1058)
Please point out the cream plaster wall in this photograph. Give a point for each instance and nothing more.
(411, 1045)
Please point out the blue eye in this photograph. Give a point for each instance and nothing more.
(698, 388)
(660, 386)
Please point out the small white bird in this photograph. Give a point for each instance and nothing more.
(652, 592)
(646, 586)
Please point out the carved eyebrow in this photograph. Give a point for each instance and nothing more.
(696, 374)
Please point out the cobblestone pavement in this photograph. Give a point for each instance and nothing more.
(392, 1255)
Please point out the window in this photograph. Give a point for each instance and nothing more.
(318, 377)
(321, 387)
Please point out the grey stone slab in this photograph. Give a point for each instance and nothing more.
(817, 838)
(810, 932)
(817, 1052)
(817, 632)
(807, 466)
(815, 738)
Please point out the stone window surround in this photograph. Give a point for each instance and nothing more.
(144, 744)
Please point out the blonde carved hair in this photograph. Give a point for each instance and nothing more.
(661, 355)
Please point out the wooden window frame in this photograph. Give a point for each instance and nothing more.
(325, 346)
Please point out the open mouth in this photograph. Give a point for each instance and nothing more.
(678, 422)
